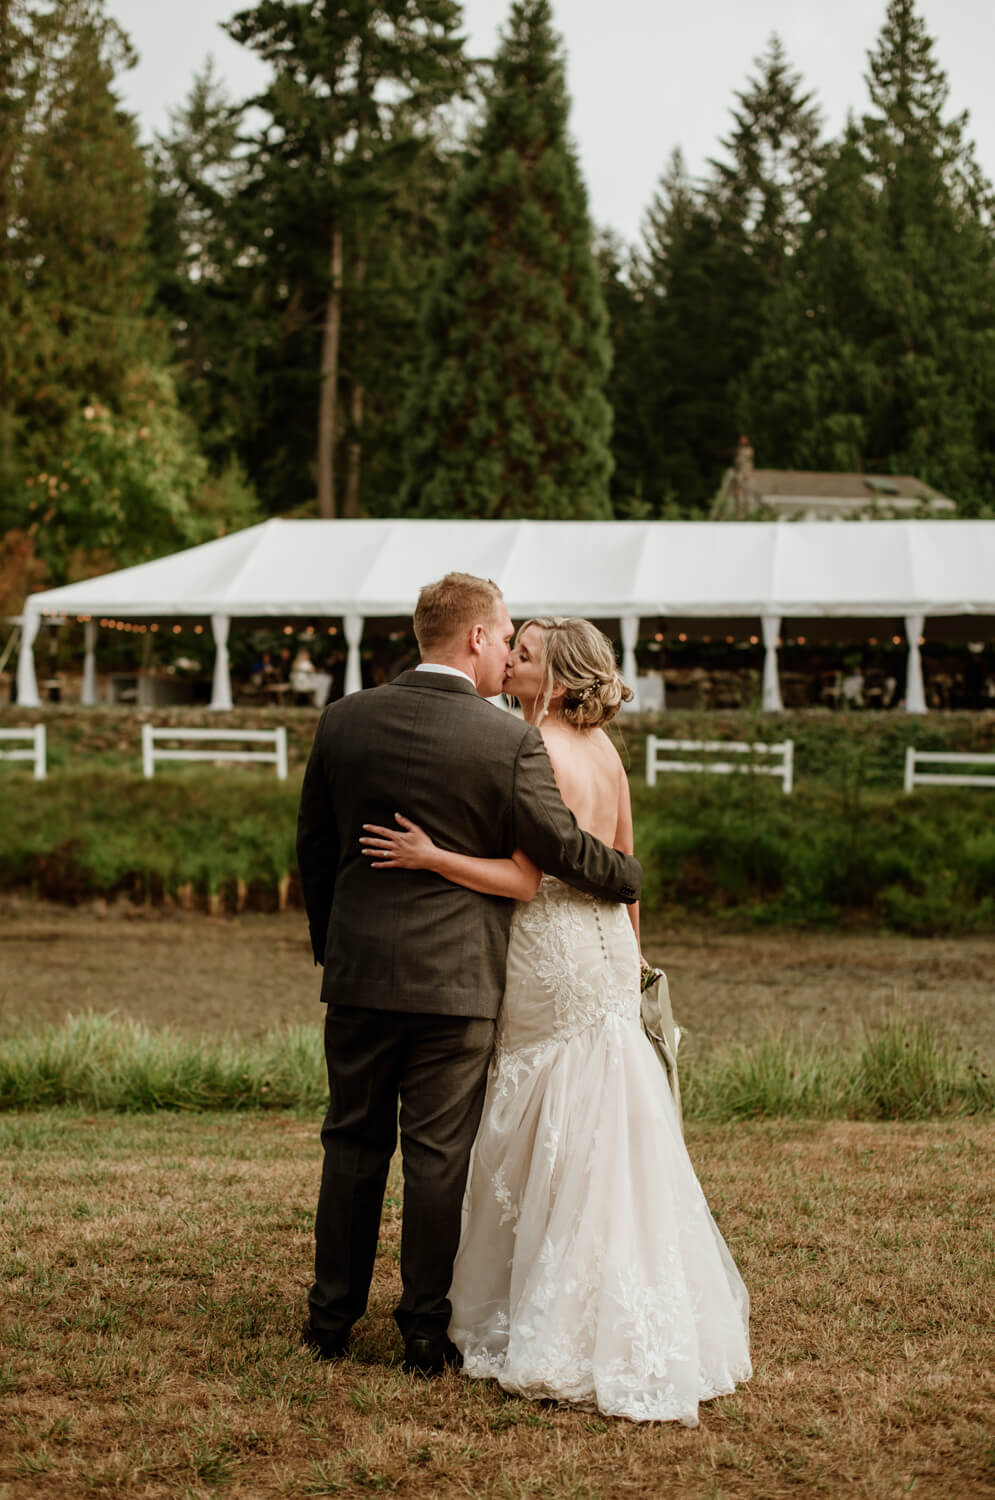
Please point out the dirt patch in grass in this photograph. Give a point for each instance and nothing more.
(247, 974)
(156, 1270)
(729, 986)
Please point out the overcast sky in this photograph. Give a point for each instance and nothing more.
(644, 75)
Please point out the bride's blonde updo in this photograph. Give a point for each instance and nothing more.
(578, 657)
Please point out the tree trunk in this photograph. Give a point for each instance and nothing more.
(351, 506)
(9, 131)
(355, 449)
(330, 383)
(7, 135)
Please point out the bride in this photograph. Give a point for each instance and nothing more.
(590, 1270)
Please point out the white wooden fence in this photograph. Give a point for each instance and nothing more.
(221, 740)
(37, 753)
(915, 758)
(780, 758)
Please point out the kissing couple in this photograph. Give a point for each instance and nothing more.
(471, 893)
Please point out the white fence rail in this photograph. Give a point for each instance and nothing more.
(37, 751)
(915, 758)
(221, 740)
(780, 758)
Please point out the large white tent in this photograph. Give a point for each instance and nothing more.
(614, 570)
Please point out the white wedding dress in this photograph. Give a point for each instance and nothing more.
(590, 1269)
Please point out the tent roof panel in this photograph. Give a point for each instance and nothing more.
(834, 569)
(602, 569)
(724, 570)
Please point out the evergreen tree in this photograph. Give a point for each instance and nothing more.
(626, 325)
(75, 336)
(680, 379)
(508, 415)
(203, 264)
(713, 258)
(775, 157)
(357, 85)
(877, 352)
(932, 336)
(808, 397)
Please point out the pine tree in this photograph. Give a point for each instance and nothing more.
(203, 261)
(624, 307)
(932, 333)
(876, 353)
(774, 159)
(350, 114)
(713, 257)
(808, 395)
(76, 341)
(508, 416)
(677, 361)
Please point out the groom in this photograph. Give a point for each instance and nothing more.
(414, 967)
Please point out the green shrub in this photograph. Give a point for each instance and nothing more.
(719, 845)
(848, 844)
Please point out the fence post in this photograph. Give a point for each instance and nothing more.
(789, 765)
(148, 754)
(910, 768)
(651, 760)
(281, 753)
(41, 769)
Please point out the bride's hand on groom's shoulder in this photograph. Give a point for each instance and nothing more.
(405, 848)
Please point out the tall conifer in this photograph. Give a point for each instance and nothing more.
(508, 416)
(713, 256)
(106, 467)
(349, 117)
(877, 353)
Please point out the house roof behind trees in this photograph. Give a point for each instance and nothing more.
(821, 495)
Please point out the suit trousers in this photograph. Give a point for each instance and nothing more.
(436, 1066)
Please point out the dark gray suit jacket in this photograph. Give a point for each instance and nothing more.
(479, 781)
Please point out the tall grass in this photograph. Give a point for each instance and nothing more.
(903, 1071)
(104, 1063)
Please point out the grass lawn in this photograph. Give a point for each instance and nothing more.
(156, 1267)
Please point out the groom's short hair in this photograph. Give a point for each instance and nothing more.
(448, 608)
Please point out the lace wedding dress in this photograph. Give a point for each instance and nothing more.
(590, 1269)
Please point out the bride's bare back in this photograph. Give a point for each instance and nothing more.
(592, 781)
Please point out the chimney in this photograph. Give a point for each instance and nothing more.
(742, 484)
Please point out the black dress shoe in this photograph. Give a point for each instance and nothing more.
(324, 1345)
(431, 1356)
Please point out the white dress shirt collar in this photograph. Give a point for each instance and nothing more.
(437, 666)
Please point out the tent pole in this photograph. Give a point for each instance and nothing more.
(88, 692)
(27, 682)
(353, 666)
(221, 695)
(771, 702)
(630, 669)
(915, 692)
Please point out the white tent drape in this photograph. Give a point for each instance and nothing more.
(88, 692)
(221, 694)
(353, 625)
(27, 682)
(771, 697)
(915, 694)
(630, 671)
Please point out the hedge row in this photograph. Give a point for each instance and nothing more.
(729, 846)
